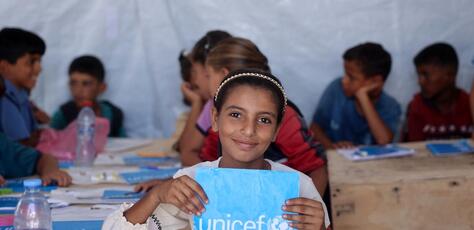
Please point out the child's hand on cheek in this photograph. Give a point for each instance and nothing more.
(365, 91)
(309, 214)
(188, 92)
(184, 193)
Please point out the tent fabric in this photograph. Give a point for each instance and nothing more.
(139, 42)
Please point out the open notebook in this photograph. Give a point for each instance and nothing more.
(375, 152)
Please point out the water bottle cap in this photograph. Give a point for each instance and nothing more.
(32, 183)
(87, 104)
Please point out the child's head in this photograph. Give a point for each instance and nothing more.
(248, 107)
(20, 56)
(232, 54)
(198, 76)
(365, 64)
(437, 66)
(86, 79)
(195, 75)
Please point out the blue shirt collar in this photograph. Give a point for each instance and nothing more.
(19, 96)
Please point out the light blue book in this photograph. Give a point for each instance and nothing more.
(245, 199)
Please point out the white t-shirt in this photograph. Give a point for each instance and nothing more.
(168, 216)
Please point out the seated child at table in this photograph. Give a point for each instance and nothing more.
(18, 62)
(441, 110)
(354, 109)
(87, 83)
(248, 108)
(17, 160)
(38, 50)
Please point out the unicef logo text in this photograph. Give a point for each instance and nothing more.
(262, 223)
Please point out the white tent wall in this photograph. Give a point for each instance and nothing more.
(139, 41)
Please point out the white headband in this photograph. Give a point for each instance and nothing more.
(252, 75)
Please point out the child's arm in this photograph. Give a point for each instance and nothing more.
(309, 214)
(147, 185)
(320, 136)
(380, 131)
(2, 180)
(47, 168)
(183, 192)
(320, 179)
(32, 140)
(191, 139)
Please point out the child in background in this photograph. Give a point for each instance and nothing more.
(38, 49)
(17, 160)
(293, 145)
(17, 65)
(441, 110)
(354, 110)
(87, 83)
(247, 112)
(196, 91)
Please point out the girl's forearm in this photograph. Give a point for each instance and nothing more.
(140, 211)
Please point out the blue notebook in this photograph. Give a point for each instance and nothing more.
(78, 225)
(144, 161)
(8, 201)
(121, 194)
(245, 199)
(446, 149)
(16, 185)
(71, 225)
(375, 152)
(148, 174)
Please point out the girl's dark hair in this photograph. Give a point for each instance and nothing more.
(185, 66)
(255, 78)
(237, 53)
(206, 43)
(88, 64)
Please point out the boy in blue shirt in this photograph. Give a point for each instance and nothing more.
(354, 110)
(18, 61)
(17, 160)
(87, 82)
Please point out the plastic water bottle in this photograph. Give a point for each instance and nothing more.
(85, 150)
(32, 211)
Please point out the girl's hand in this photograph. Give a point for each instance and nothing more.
(309, 213)
(184, 193)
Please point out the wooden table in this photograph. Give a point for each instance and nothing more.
(91, 216)
(417, 192)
